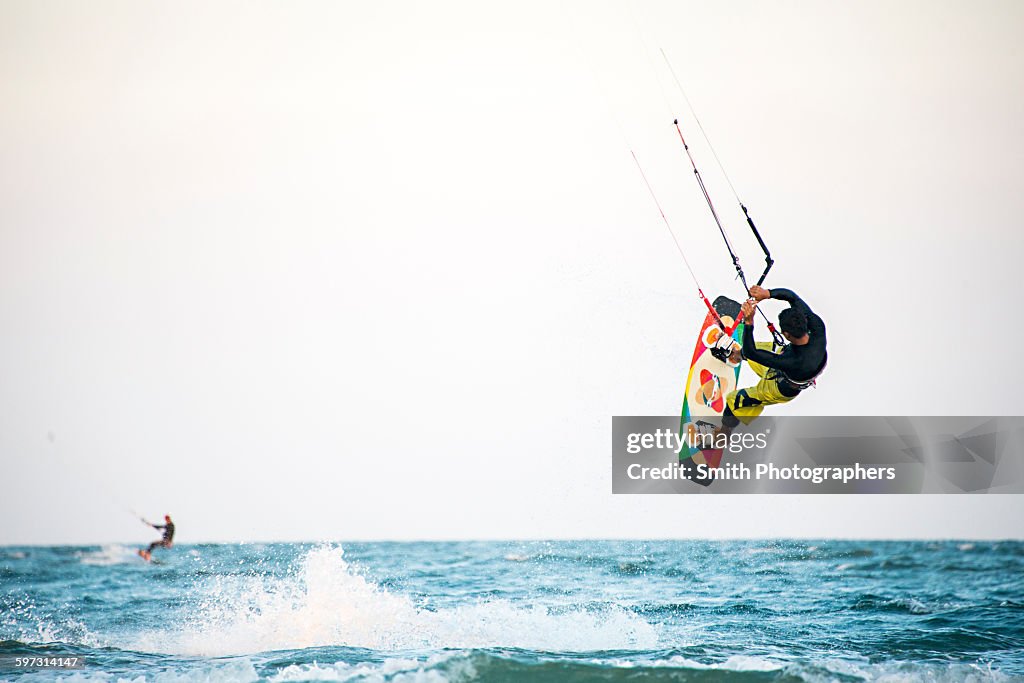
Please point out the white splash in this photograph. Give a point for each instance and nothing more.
(324, 602)
(111, 554)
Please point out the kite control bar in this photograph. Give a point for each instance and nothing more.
(768, 260)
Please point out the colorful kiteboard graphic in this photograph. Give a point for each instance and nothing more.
(710, 380)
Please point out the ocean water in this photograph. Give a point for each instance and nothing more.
(530, 611)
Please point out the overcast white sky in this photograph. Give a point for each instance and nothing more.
(336, 270)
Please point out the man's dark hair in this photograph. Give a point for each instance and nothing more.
(793, 322)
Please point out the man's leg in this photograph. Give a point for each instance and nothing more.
(753, 401)
(761, 370)
(744, 405)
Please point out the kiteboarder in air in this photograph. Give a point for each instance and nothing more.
(166, 542)
(785, 374)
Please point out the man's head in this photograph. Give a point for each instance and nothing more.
(167, 518)
(793, 324)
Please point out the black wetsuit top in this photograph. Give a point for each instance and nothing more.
(797, 363)
(168, 531)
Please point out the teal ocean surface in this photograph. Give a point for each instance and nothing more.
(531, 611)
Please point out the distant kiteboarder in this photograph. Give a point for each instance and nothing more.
(166, 542)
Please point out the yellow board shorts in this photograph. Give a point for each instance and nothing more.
(747, 404)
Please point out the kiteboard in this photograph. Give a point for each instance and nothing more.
(148, 556)
(712, 376)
